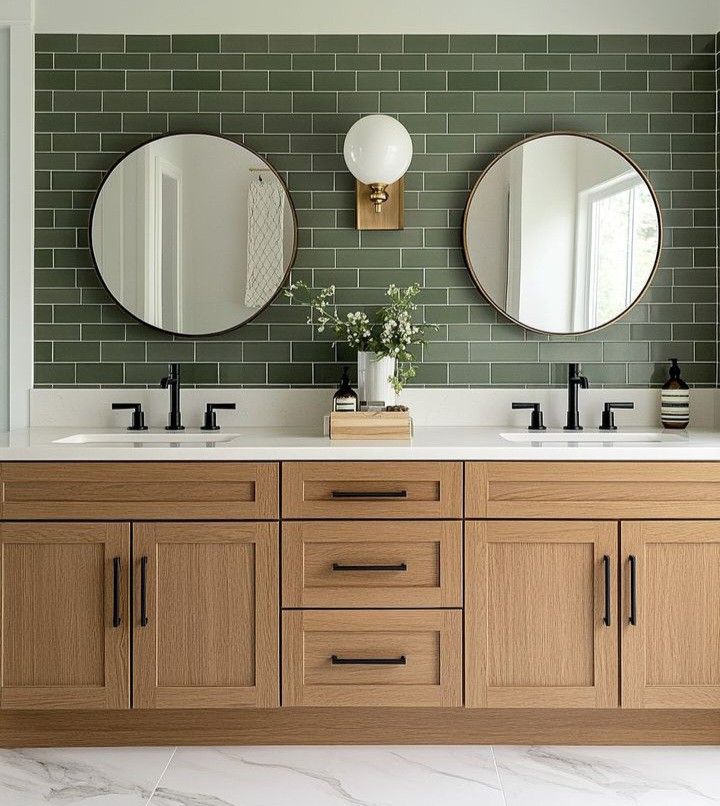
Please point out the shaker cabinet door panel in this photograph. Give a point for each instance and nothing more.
(671, 614)
(65, 615)
(537, 598)
(205, 615)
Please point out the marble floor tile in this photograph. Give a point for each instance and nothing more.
(330, 776)
(81, 776)
(609, 776)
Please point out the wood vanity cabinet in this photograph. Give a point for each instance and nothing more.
(671, 632)
(205, 626)
(65, 615)
(540, 614)
(341, 602)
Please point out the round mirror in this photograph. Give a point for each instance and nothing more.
(193, 234)
(562, 233)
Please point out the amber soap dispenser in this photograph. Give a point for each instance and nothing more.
(675, 399)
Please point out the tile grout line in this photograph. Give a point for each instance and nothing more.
(162, 775)
(497, 773)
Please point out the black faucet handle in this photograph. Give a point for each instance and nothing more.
(607, 422)
(210, 419)
(138, 418)
(536, 418)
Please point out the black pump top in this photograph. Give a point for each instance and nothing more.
(345, 380)
(674, 368)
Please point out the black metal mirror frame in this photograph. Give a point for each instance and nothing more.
(234, 142)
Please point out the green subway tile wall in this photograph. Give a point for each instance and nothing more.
(464, 98)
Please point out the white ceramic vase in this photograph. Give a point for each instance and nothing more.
(374, 373)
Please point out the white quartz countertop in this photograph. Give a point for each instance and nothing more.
(428, 443)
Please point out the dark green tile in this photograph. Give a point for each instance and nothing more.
(245, 80)
(125, 101)
(526, 43)
(550, 102)
(670, 43)
(499, 102)
(291, 80)
(244, 43)
(50, 43)
(623, 43)
(55, 79)
(147, 43)
(173, 61)
(526, 80)
(336, 43)
(196, 80)
(564, 43)
(580, 80)
(402, 102)
(125, 61)
(425, 80)
(385, 80)
(292, 43)
(149, 79)
(268, 102)
(402, 61)
(627, 80)
(78, 101)
(473, 43)
(77, 61)
(450, 102)
(477, 80)
(380, 43)
(541, 61)
(426, 43)
(173, 101)
(602, 102)
(101, 43)
(195, 43)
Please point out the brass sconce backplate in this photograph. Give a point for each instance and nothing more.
(392, 211)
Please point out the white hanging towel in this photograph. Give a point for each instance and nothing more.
(266, 201)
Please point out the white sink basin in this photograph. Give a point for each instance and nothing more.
(148, 438)
(584, 436)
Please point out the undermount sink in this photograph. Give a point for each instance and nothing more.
(147, 438)
(584, 436)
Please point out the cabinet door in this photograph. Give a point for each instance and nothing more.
(65, 615)
(537, 598)
(206, 615)
(671, 632)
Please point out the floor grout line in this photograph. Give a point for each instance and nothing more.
(161, 776)
(497, 773)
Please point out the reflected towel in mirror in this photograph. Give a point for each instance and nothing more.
(265, 268)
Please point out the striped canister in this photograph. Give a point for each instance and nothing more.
(675, 399)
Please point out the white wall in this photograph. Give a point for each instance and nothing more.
(4, 226)
(407, 16)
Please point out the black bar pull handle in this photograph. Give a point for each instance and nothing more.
(143, 592)
(607, 618)
(398, 567)
(116, 620)
(336, 661)
(633, 589)
(369, 494)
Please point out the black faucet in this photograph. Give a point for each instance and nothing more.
(172, 381)
(575, 381)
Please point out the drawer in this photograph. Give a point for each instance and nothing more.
(372, 564)
(134, 490)
(372, 489)
(611, 490)
(373, 657)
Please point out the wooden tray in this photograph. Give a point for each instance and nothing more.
(370, 425)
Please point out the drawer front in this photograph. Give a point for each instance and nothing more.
(372, 564)
(376, 657)
(372, 489)
(612, 490)
(134, 490)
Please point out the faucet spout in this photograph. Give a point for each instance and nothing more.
(172, 381)
(575, 381)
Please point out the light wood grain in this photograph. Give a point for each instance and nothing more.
(432, 489)
(370, 425)
(534, 634)
(431, 550)
(212, 633)
(392, 212)
(135, 490)
(59, 646)
(671, 658)
(430, 640)
(610, 490)
(358, 726)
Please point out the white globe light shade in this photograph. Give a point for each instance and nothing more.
(378, 149)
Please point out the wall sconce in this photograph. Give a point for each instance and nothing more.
(378, 150)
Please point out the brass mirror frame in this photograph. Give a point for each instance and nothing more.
(234, 142)
(477, 184)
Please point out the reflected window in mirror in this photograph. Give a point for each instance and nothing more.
(562, 233)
